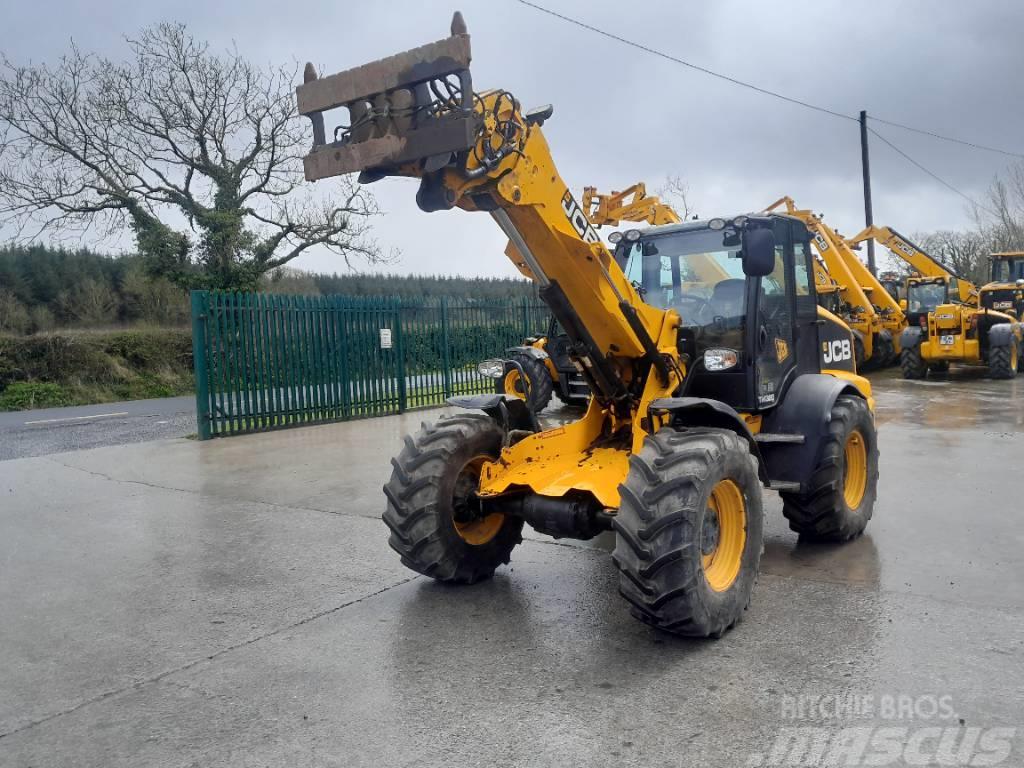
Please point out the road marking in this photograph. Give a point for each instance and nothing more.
(76, 418)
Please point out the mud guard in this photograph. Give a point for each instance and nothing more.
(910, 337)
(510, 412)
(805, 411)
(537, 354)
(692, 412)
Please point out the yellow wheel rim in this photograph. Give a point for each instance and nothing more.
(856, 476)
(514, 384)
(723, 535)
(472, 530)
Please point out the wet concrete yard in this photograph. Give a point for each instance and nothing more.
(235, 603)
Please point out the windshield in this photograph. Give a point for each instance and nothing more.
(925, 297)
(698, 273)
(1007, 270)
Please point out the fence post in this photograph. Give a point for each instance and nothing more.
(200, 304)
(446, 363)
(400, 357)
(526, 319)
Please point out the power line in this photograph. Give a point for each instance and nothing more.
(758, 89)
(935, 176)
(945, 138)
(695, 67)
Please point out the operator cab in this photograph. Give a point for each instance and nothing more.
(1006, 291)
(746, 333)
(926, 294)
(1007, 267)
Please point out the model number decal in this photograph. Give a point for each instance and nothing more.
(836, 351)
(578, 218)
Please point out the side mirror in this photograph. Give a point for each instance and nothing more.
(903, 304)
(758, 251)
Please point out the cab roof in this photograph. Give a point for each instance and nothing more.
(694, 224)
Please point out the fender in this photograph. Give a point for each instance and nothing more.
(805, 411)
(694, 412)
(1001, 335)
(536, 354)
(910, 337)
(510, 412)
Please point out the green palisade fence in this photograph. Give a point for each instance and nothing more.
(264, 361)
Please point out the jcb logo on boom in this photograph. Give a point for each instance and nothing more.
(905, 248)
(578, 218)
(836, 351)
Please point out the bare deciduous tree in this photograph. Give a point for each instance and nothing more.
(1002, 220)
(964, 253)
(197, 154)
(676, 193)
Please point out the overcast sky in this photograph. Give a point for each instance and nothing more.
(622, 115)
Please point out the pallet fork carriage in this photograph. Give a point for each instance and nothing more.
(700, 397)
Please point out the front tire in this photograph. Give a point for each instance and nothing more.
(1003, 361)
(912, 364)
(689, 531)
(840, 497)
(436, 526)
(537, 388)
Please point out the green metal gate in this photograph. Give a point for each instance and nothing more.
(265, 361)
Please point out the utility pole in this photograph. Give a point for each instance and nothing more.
(866, 170)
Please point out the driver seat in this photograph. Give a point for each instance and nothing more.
(728, 298)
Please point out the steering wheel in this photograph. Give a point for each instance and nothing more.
(703, 304)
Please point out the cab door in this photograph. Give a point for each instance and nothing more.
(774, 322)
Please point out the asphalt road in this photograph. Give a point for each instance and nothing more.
(54, 430)
(235, 603)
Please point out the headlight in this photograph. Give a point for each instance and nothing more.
(716, 224)
(632, 235)
(739, 221)
(720, 359)
(614, 237)
(492, 369)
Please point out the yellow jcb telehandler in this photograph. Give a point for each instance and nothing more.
(700, 397)
(947, 322)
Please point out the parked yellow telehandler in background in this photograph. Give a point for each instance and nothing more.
(947, 323)
(874, 316)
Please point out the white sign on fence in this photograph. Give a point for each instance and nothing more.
(385, 338)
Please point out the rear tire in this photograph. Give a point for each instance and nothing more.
(430, 510)
(858, 354)
(689, 531)
(841, 491)
(538, 385)
(884, 353)
(912, 364)
(1003, 361)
